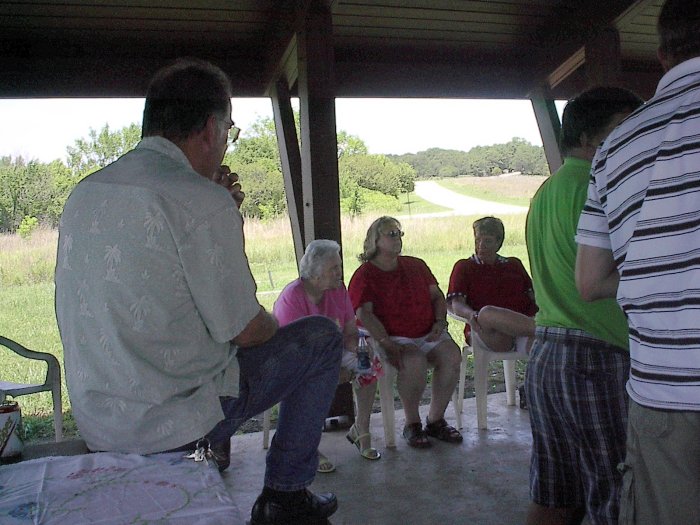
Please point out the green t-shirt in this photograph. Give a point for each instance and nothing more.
(550, 230)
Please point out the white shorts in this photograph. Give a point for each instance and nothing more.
(521, 344)
(349, 361)
(422, 343)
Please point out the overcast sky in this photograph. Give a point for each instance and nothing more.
(43, 128)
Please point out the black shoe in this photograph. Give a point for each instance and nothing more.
(222, 454)
(307, 509)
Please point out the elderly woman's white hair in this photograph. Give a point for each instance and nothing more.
(316, 253)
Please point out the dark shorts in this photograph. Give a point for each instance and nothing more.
(575, 388)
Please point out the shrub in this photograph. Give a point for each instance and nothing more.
(27, 226)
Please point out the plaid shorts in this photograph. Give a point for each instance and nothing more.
(575, 389)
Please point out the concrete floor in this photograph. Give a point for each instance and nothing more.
(482, 481)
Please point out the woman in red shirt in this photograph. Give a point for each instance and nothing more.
(398, 301)
(493, 293)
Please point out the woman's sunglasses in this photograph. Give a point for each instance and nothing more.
(394, 234)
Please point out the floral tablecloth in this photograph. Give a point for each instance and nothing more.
(107, 488)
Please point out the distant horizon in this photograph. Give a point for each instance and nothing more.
(42, 129)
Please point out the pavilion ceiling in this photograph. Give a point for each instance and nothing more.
(382, 48)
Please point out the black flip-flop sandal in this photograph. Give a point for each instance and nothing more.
(442, 431)
(415, 436)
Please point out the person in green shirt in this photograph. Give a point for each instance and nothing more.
(579, 362)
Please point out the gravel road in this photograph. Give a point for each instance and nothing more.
(460, 204)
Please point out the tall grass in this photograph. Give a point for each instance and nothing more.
(27, 290)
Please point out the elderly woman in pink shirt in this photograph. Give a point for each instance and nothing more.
(320, 291)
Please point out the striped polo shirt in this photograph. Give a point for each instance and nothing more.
(644, 205)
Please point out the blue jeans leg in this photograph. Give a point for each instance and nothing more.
(297, 368)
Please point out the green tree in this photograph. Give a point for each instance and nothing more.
(101, 148)
(264, 190)
(378, 173)
(480, 161)
(350, 145)
(258, 146)
(27, 189)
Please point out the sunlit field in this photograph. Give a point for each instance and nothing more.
(27, 290)
(509, 189)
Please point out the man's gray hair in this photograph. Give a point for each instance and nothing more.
(316, 253)
(182, 96)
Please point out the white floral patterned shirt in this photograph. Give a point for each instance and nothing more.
(152, 282)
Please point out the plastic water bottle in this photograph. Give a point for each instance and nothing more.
(364, 366)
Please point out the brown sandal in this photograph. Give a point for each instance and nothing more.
(442, 431)
(415, 436)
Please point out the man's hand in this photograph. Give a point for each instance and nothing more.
(260, 329)
(229, 180)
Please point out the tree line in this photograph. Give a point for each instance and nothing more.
(32, 192)
(518, 155)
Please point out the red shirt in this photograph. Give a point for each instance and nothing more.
(505, 284)
(400, 298)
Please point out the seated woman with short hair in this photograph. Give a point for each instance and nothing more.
(320, 291)
(493, 293)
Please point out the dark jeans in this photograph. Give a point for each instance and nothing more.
(297, 368)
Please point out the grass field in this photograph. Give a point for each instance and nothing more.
(27, 290)
(508, 189)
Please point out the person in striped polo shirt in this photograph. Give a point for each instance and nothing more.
(639, 240)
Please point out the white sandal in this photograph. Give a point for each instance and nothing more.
(324, 464)
(354, 437)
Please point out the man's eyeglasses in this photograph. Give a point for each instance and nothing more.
(232, 130)
(394, 234)
(233, 134)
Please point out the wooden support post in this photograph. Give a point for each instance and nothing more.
(319, 148)
(549, 126)
(290, 158)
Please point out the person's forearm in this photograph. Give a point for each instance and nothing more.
(374, 326)
(460, 308)
(440, 313)
(350, 336)
(596, 273)
(440, 309)
(260, 329)
(603, 288)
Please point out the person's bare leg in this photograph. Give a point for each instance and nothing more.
(364, 396)
(498, 327)
(411, 381)
(539, 515)
(446, 358)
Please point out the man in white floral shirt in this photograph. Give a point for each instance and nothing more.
(157, 310)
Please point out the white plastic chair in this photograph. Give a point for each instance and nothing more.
(52, 382)
(386, 399)
(482, 357)
(386, 396)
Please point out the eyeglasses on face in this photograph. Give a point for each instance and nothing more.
(233, 134)
(233, 131)
(394, 233)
